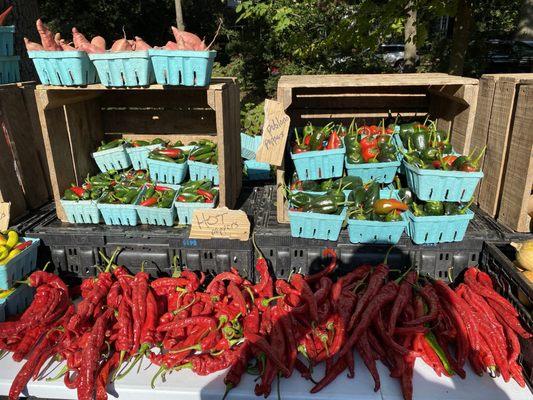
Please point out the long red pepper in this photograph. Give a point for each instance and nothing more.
(329, 268)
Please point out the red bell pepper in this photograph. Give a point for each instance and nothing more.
(369, 153)
(78, 191)
(368, 142)
(334, 141)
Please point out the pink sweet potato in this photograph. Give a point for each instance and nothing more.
(121, 45)
(32, 46)
(47, 37)
(4, 15)
(190, 39)
(57, 38)
(99, 42)
(170, 46)
(141, 45)
(78, 38)
(66, 46)
(90, 48)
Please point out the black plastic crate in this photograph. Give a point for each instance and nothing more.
(509, 282)
(27, 222)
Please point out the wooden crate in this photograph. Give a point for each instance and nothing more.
(24, 178)
(497, 120)
(319, 99)
(75, 120)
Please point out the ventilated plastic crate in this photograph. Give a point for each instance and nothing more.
(438, 185)
(139, 155)
(320, 164)
(167, 172)
(7, 34)
(182, 67)
(249, 145)
(20, 266)
(257, 171)
(64, 68)
(124, 69)
(115, 159)
(81, 211)
(438, 229)
(16, 302)
(199, 170)
(9, 69)
(159, 216)
(383, 172)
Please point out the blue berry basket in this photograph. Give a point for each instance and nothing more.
(159, 216)
(382, 172)
(16, 302)
(436, 185)
(362, 231)
(64, 68)
(167, 172)
(186, 210)
(319, 164)
(120, 214)
(124, 69)
(115, 159)
(199, 170)
(20, 266)
(182, 67)
(9, 69)
(81, 211)
(438, 229)
(139, 155)
(249, 146)
(7, 34)
(315, 225)
(257, 171)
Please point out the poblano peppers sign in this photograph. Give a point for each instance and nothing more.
(275, 132)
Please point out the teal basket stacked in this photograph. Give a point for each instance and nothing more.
(315, 225)
(115, 159)
(9, 69)
(16, 302)
(186, 210)
(81, 211)
(199, 170)
(120, 214)
(124, 69)
(167, 172)
(64, 68)
(249, 146)
(257, 171)
(20, 266)
(382, 172)
(7, 34)
(182, 67)
(429, 184)
(438, 229)
(139, 155)
(320, 164)
(159, 216)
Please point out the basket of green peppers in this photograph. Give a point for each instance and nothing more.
(193, 195)
(156, 205)
(118, 204)
(169, 164)
(345, 183)
(203, 161)
(80, 203)
(316, 216)
(318, 152)
(437, 221)
(371, 154)
(139, 150)
(112, 156)
(375, 215)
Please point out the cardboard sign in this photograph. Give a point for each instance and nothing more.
(4, 216)
(221, 223)
(275, 132)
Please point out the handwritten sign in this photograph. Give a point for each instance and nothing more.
(221, 223)
(275, 132)
(4, 215)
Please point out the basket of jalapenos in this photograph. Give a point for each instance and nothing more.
(318, 152)
(80, 202)
(422, 136)
(375, 215)
(112, 156)
(118, 204)
(346, 184)
(316, 216)
(156, 204)
(437, 221)
(371, 154)
(169, 164)
(139, 150)
(203, 161)
(193, 195)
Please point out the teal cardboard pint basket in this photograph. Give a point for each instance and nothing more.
(438, 229)
(81, 211)
(199, 170)
(16, 302)
(139, 155)
(249, 146)
(182, 67)
(7, 33)
(382, 172)
(167, 172)
(319, 164)
(186, 210)
(124, 69)
(315, 225)
(361, 231)
(115, 159)
(20, 266)
(159, 216)
(9, 69)
(64, 68)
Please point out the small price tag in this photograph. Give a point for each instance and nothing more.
(4, 215)
(221, 223)
(275, 132)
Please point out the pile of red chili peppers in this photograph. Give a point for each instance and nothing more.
(270, 328)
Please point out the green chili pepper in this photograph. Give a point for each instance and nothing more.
(70, 195)
(419, 140)
(326, 185)
(418, 210)
(393, 216)
(158, 141)
(160, 157)
(348, 182)
(430, 154)
(110, 145)
(434, 208)
(371, 195)
(357, 196)
(300, 199)
(355, 158)
(434, 344)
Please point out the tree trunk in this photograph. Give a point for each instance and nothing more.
(23, 16)
(409, 55)
(179, 16)
(525, 26)
(461, 34)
